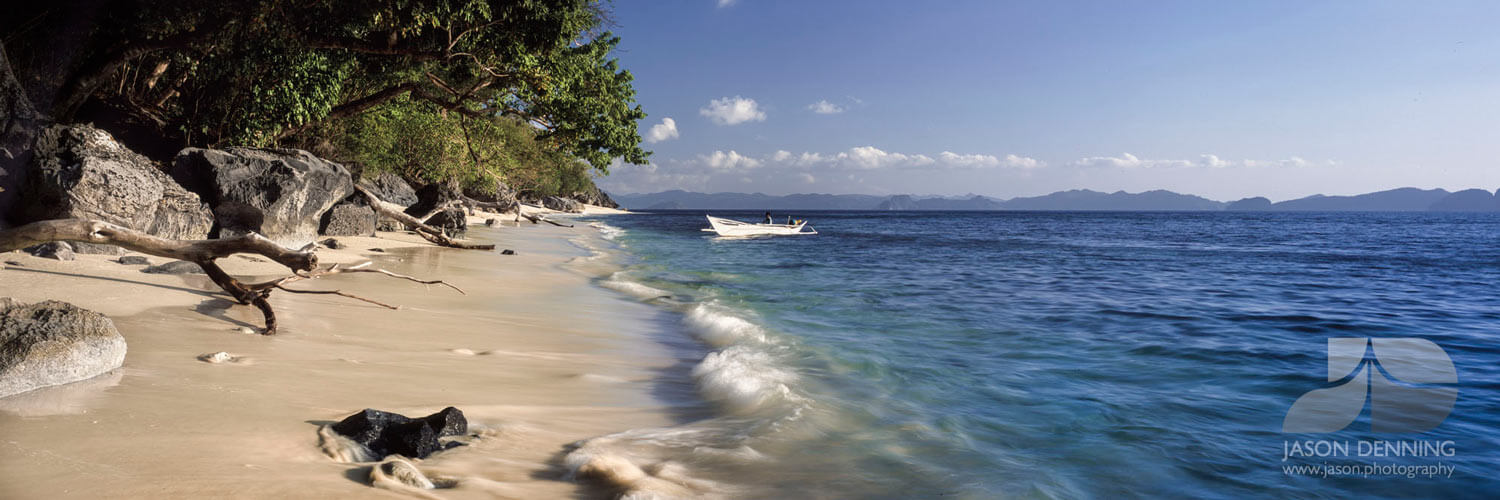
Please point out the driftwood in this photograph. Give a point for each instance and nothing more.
(303, 262)
(492, 206)
(538, 218)
(427, 232)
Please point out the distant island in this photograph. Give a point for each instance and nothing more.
(1395, 200)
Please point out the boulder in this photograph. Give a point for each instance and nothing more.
(78, 171)
(334, 244)
(451, 220)
(175, 267)
(51, 343)
(561, 204)
(351, 217)
(391, 188)
(385, 433)
(133, 260)
(279, 193)
(59, 250)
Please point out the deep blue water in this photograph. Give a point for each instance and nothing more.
(1068, 355)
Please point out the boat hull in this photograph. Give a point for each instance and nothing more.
(730, 227)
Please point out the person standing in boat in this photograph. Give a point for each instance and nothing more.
(768, 218)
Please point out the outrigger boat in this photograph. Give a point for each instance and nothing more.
(730, 227)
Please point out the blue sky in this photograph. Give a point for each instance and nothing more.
(1221, 99)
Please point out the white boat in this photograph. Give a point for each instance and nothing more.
(730, 227)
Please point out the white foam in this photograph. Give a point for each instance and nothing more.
(631, 288)
(716, 326)
(744, 379)
(607, 231)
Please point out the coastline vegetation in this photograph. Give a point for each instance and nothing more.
(473, 92)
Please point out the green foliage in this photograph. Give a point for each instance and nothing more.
(419, 141)
(520, 90)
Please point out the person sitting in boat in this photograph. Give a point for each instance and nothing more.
(788, 220)
(768, 218)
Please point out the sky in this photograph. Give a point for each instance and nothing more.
(1226, 100)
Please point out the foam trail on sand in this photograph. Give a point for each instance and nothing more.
(342, 449)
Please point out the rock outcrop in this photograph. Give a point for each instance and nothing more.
(18, 124)
(51, 343)
(279, 193)
(561, 204)
(351, 217)
(500, 193)
(451, 220)
(595, 196)
(391, 188)
(78, 171)
(385, 433)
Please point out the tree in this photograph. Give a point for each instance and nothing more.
(269, 72)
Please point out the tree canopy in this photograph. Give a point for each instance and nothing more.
(520, 83)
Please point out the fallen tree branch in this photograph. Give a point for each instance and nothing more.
(427, 232)
(303, 262)
(539, 218)
(496, 207)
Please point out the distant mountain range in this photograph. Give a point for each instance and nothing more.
(1395, 200)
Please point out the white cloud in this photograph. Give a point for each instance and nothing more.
(733, 111)
(781, 156)
(720, 160)
(825, 108)
(870, 157)
(666, 130)
(807, 178)
(1127, 160)
(726, 3)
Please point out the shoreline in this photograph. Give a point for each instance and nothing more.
(537, 355)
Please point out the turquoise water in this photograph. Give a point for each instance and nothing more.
(1055, 355)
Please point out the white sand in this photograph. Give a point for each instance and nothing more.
(535, 355)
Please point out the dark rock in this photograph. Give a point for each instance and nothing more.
(391, 188)
(561, 204)
(279, 193)
(14, 263)
(452, 221)
(51, 343)
(491, 222)
(133, 260)
(334, 244)
(59, 250)
(388, 224)
(19, 122)
(377, 250)
(507, 252)
(386, 433)
(499, 192)
(351, 217)
(79, 171)
(595, 196)
(175, 267)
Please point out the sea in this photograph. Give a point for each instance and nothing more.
(1062, 354)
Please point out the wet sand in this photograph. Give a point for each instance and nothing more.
(535, 355)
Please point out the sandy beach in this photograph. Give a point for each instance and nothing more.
(535, 355)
